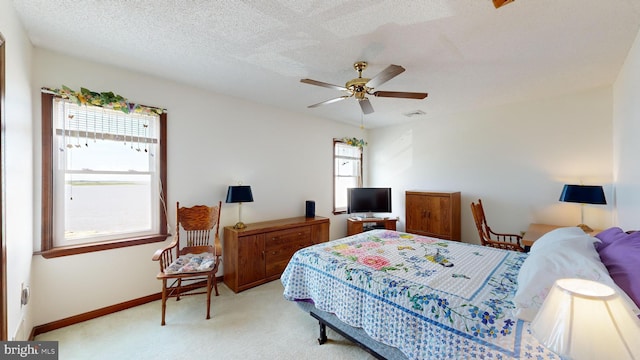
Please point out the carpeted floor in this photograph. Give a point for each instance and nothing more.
(255, 324)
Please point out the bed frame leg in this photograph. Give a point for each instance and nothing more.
(323, 333)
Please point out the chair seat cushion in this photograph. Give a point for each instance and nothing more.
(191, 263)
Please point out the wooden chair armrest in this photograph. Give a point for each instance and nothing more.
(505, 235)
(506, 241)
(158, 254)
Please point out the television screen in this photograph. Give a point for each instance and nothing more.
(368, 200)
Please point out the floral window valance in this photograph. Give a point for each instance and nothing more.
(103, 99)
(354, 142)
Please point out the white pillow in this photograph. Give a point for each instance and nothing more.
(567, 256)
(552, 238)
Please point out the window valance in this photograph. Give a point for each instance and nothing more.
(103, 99)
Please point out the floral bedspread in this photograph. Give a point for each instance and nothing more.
(431, 298)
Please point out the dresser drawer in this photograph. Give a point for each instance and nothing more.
(276, 239)
(277, 258)
(280, 246)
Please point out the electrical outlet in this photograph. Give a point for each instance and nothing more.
(24, 294)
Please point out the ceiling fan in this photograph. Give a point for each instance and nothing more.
(361, 87)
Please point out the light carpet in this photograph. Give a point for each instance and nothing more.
(255, 324)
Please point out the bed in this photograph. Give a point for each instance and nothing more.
(436, 299)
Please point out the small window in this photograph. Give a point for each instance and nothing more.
(347, 173)
(107, 176)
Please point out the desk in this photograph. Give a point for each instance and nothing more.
(535, 231)
(357, 226)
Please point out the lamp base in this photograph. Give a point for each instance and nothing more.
(239, 225)
(585, 228)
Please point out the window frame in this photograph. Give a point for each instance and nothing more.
(335, 176)
(3, 242)
(48, 250)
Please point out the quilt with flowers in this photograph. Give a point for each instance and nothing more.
(430, 298)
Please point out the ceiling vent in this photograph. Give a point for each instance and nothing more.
(414, 113)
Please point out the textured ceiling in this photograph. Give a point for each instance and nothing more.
(465, 53)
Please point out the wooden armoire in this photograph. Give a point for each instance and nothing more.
(435, 214)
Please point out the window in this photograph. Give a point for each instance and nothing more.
(104, 176)
(347, 173)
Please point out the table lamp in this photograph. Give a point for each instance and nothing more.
(584, 319)
(239, 194)
(583, 194)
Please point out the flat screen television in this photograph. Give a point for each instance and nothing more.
(368, 200)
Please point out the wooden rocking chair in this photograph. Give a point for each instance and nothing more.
(185, 266)
(490, 238)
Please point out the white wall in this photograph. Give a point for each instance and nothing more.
(626, 125)
(18, 160)
(213, 141)
(516, 158)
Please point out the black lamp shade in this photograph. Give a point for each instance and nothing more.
(240, 193)
(584, 194)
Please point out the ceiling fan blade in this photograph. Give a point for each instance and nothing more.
(365, 105)
(323, 84)
(499, 3)
(329, 101)
(400, 94)
(387, 74)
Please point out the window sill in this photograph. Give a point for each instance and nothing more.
(87, 248)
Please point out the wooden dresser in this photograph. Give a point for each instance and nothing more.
(434, 214)
(259, 253)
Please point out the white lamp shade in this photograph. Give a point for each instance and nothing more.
(583, 319)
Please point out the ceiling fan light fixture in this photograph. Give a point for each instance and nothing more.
(357, 84)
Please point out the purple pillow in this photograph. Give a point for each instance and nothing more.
(609, 236)
(622, 259)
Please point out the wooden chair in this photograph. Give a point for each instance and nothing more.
(185, 266)
(490, 238)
